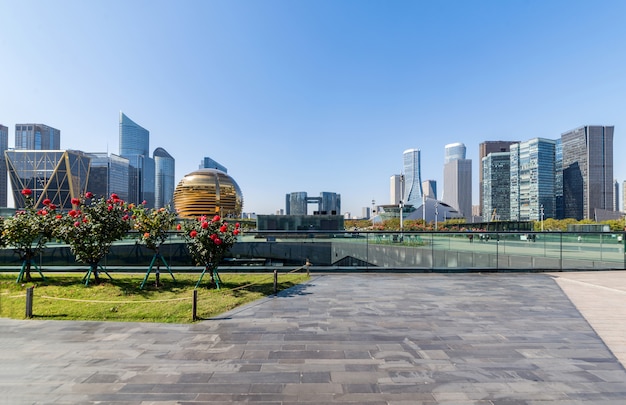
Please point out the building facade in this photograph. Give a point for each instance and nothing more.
(327, 203)
(4, 146)
(454, 151)
(457, 179)
(208, 163)
(496, 202)
(429, 187)
(532, 177)
(37, 137)
(396, 189)
(165, 173)
(54, 174)
(587, 171)
(108, 174)
(412, 177)
(484, 149)
(135, 146)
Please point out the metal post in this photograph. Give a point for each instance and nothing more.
(29, 302)
(275, 281)
(194, 306)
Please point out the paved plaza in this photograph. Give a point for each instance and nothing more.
(492, 338)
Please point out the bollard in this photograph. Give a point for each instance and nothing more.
(307, 265)
(275, 281)
(29, 302)
(194, 306)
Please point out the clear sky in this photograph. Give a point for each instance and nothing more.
(314, 95)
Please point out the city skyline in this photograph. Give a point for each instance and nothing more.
(314, 95)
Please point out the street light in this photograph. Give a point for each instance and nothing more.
(436, 214)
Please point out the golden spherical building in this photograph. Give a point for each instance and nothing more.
(208, 192)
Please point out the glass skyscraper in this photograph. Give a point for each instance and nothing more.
(532, 171)
(208, 163)
(134, 146)
(4, 145)
(108, 174)
(164, 185)
(484, 149)
(454, 151)
(37, 137)
(587, 171)
(496, 204)
(412, 177)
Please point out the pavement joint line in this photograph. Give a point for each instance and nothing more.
(592, 285)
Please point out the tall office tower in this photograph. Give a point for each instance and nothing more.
(496, 169)
(532, 174)
(134, 146)
(412, 177)
(164, 185)
(587, 171)
(208, 163)
(396, 189)
(616, 194)
(330, 203)
(457, 186)
(454, 151)
(484, 149)
(4, 145)
(37, 137)
(296, 203)
(457, 179)
(430, 189)
(108, 174)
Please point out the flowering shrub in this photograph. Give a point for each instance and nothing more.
(152, 225)
(208, 241)
(29, 230)
(92, 226)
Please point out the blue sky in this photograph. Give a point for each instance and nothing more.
(314, 95)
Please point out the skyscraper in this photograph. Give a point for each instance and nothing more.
(429, 187)
(496, 168)
(412, 177)
(208, 163)
(108, 174)
(484, 149)
(4, 145)
(134, 146)
(532, 175)
(616, 194)
(457, 180)
(37, 137)
(454, 151)
(396, 191)
(587, 170)
(164, 185)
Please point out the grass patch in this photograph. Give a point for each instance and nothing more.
(64, 296)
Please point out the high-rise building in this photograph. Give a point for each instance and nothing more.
(532, 177)
(134, 146)
(396, 189)
(616, 194)
(430, 188)
(37, 137)
(208, 163)
(108, 175)
(484, 149)
(496, 168)
(412, 177)
(457, 180)
(54, 174)
(4, 145)
(457, 186)
(454, 151)
(164, 185)
(327, 203)
(587, 171)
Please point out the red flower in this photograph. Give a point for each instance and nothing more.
(146, 235)
(88, 194)
(27, 191)
(144, 202)
(52, 206)
(110, 207)
(216, 218)
(213, 236)
(46, 201)
(236, 232)
(59, 216)
(204, 225)
(223, 228)
(72, 213)
(237, 225)
(193, 234)
(44, 212)
(75, 201)
(114, 196)
(178, 227)
(125, 217)
(217, 241)
(76, 224)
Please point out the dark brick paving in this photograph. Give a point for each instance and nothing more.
(361, 339)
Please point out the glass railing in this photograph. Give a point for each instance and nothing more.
(418, 251)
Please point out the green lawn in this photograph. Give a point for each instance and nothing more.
(64, 296)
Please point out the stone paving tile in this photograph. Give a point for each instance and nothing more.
(395, 339)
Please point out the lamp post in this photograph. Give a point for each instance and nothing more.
(401, 220)
(436, 214)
